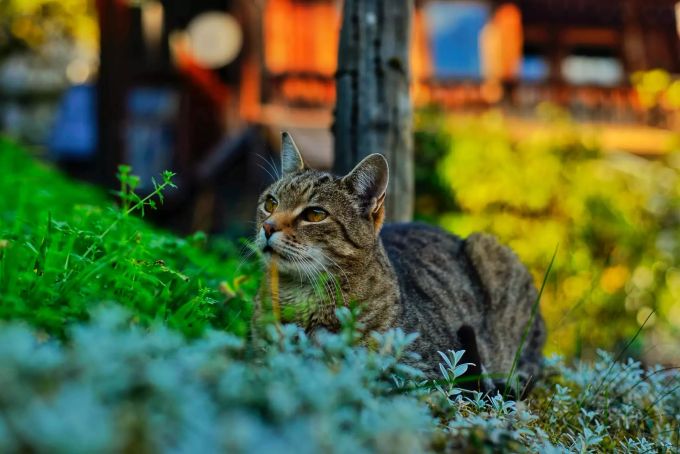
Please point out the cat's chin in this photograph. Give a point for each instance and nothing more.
(284, 264)
(269, 252)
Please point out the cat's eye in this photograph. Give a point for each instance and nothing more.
(314, 215)
(270, 204)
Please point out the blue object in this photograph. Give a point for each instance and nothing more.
(150, 131)
(454, 37)
(74, 135)
(534, 68)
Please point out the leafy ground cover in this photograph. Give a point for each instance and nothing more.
(116, 386)
(121, 337)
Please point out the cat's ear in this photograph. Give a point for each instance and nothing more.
(368, 180)
(291, 159)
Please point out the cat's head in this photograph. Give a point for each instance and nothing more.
(314, 220)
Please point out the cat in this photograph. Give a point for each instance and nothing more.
(331, 249)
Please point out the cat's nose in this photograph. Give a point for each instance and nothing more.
(269, 228)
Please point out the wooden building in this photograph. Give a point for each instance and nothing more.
(587, 49)
(168, 99)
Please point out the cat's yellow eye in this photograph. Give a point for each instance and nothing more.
(314, 215)
(270, 204)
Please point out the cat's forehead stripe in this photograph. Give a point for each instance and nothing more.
(312, 189)
(303, 185)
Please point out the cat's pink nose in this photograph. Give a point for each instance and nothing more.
(269, 228)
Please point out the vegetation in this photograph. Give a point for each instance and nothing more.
(613, 216)
(122, 337)
(118, 387)
(64, 246)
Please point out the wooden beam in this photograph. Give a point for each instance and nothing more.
(373, 113)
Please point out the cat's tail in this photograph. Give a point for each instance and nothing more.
(467, 340)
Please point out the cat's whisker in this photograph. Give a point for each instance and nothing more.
(335, 286)
(294, 250)
(252, 250)
(272, 166)
(314, 278)
(321, 264)
(336, 265)
(300, 269)
(268, 172)
(312, 274)
(306, 269)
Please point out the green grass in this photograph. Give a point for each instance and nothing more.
(66, 246)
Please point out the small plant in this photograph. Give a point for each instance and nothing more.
(452, 371)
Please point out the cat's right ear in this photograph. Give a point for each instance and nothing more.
(291, 159)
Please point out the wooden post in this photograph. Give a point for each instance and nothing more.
(373, 111)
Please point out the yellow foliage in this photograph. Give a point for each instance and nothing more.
(614, 217)
(655, 85)
(614, 278)
(36, 22)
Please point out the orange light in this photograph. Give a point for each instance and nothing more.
(501, 43)
(301, 37)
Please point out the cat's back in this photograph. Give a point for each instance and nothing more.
(436, 277)
(451, 286)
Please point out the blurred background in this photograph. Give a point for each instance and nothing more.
(554, 124)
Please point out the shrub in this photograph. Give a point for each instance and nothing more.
(614, 217)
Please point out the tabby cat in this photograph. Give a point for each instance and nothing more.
(326, 235)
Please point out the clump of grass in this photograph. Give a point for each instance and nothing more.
(274, 286)
(65, 246)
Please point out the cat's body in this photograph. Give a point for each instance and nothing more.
(470, 294)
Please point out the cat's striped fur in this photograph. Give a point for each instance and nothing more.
(471, 294)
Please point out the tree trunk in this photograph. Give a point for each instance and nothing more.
(373, 111)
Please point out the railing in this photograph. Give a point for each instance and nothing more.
(301, 90)
(619, 104)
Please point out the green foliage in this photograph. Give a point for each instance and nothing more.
(611, 406)
(614, 216)
(64, 246)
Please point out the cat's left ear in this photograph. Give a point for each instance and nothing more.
(291, 159)
(368, 180)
